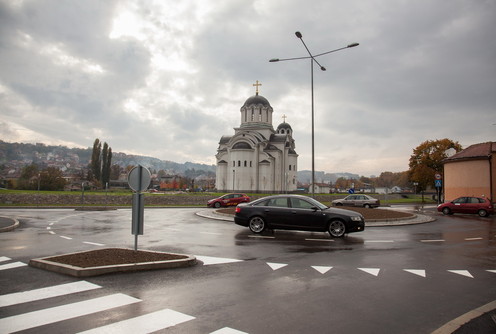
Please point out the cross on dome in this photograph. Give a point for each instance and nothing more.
(284, 118)
(256, 87)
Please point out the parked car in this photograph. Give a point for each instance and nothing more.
(365, 201)
(480, 205)
(228, 200)
(297, 212)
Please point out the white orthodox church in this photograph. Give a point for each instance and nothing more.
(257, 158)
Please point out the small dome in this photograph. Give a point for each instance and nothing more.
(284, 126)
(256, 99)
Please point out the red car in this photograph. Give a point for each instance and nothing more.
(228, 200)
(482, 206)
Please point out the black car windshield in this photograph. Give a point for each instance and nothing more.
(318, 204)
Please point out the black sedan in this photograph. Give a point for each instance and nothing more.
(296, 212)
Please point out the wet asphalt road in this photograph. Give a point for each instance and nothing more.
(404, 279)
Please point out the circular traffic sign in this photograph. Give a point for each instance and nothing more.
(437, 176)
(139, 178)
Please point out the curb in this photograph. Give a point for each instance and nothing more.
(10, 224)
(457, 323)
(66, 269)
(415, 219)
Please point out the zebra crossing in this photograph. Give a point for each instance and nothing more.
(146, 323)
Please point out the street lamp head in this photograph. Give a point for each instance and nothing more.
(322, 68)
(298, 34)
(273, 60)
(352, 45)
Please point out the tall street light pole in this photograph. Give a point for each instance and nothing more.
(312, 61)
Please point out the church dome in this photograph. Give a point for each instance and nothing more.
(255, 100)
(285, 126)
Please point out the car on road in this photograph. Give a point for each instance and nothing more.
(468, 204)
(365, 201)
(297, 212)
(228, 200)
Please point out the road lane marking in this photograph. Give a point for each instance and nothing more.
(433, 240)
(64, 237)
(418, 272)
(48, 292)
(261, 237)
(93, 243)
(462, 272)
(378, 241)
(208, 260)
(473, 239)
(55, 314)
(276, 266)
(492, 271)
(4, 258)
(146, 323)
(371, 271)
(227, 330)
(322, 269)
(12, 265)
(326, 240)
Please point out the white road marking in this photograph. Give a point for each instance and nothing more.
(276, 266)
(93, 243)
(322, 269)
(326, 240)
(371, 271)
(227, 330)
(433, 240)
(492, 271)
(4, 258)
(462, 272)
(52, 232)
(12, 265)
(147, 323)
(378, 241)
(208, 260)
(43, 293)
(64, 237)
(261, 237)
(50, 315)
(418, 272)
(472, 239)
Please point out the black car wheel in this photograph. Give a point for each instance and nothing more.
(338, 204)
(256, 224)
(336, 229)
(367, 206)
(482, 213)
(217, 205)
(446, 211)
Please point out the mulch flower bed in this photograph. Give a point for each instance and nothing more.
(112, 256)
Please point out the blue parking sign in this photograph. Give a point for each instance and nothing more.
(438, 183)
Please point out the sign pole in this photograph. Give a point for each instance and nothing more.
(139, 179)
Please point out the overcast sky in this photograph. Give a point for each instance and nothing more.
(168, 78)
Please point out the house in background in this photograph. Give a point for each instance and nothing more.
(471, 172)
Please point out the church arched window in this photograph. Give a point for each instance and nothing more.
(289, 167)
(245, 163)
(239, 163)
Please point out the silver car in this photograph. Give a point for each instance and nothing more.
(365, 201)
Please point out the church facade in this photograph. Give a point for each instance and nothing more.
(257, 158)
